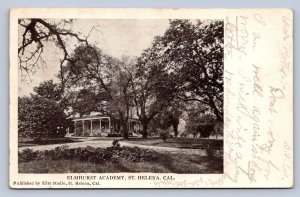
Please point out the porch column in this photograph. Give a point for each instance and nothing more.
(75, 125)
(134, 126)
(83, 125)
(91, 126)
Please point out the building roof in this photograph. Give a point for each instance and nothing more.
(96, 117)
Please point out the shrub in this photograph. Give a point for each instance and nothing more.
(29, 155)
(98, 134)
(78, 131)
(91, 154)
(96, 158)
(116, 143)
(164, 135)
(86, 134)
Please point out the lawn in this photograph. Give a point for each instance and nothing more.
(189, 143)
(184, 164)
(179, 160)
(25, 142)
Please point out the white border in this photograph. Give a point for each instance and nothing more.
(276, 179)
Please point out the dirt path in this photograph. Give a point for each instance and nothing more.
(107, 143)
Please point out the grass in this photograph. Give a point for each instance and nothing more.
(171, 163)
(22, 142)
(189, 143)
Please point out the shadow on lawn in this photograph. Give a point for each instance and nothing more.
(179, 164)
(176, 142)
(30, 142)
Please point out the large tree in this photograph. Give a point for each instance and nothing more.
(41, 118)
(153, 87)
(200, 120)
(167, 118)
(171, 117)
(49, 90)
(42, 115)
(37, 36)
(100, 80)
(185, 63)
(194, 52)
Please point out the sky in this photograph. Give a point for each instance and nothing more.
(115, 37)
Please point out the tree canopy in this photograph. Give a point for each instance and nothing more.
(184, 65)
(153, 87)
(49, 90)
(193, 51)
(37, 33)
(101, 84)
(41, 118)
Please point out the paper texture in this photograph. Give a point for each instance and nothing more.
(258, 101)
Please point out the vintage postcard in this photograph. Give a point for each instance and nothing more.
(151, 98)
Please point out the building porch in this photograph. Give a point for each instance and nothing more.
(103, 126)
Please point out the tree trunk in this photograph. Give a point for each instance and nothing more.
(125, 134)
(217, 112)
(145, 129)
(125, 130)
(175, 128)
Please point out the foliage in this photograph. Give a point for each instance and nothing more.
(95, 155)
(200, 120)
(153, 87)
(49, 90)
(219, 129)
(193, 52)
(86, 134)
(164, 135)
(207, 158)
(185, 63)
(78, 131)
(168, 117)
(114, 135)
(116, 143)
(102, 83)
(88, 67)
(40, 118)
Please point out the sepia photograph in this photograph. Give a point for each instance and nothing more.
(110, 96)
(151, 98)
